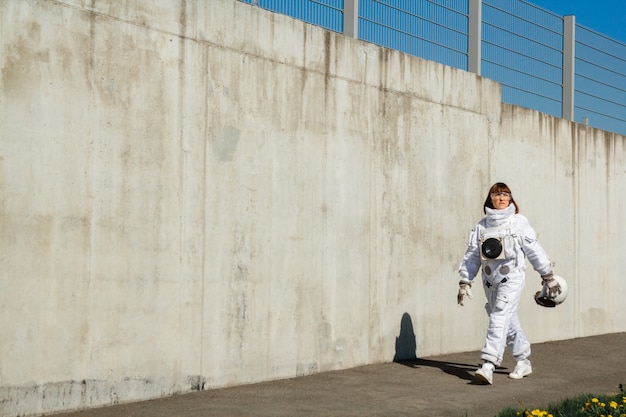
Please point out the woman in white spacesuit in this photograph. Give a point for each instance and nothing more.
(499, 244)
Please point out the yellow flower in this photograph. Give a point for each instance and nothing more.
(594, 400)
(613, 404)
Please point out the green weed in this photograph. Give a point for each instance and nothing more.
(586, 405)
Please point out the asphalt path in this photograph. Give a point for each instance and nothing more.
(438, 386)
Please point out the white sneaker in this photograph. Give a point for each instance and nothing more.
(522, 369)
(484, 374)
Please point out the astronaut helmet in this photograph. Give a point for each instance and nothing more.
(543, 299)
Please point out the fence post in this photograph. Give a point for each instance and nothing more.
(351, 18)
(569, 57)
(475, 36)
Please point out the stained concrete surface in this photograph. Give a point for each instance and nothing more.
(430, 386)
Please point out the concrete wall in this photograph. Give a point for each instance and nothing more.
(205, 194)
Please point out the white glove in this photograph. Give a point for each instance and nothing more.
(464, 290)
(552, 285)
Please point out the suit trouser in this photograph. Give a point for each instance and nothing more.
(504, 325)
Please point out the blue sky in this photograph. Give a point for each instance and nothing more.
(607, 17)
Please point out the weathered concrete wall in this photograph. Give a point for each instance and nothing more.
(205, 194)
(571, 178)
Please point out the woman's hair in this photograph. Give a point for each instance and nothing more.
(497, 188)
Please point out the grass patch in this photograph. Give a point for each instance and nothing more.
(585, 405)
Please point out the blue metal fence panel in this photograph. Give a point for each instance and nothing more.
(325, 13)
(522, 49)
(431, 29)
(600, 81)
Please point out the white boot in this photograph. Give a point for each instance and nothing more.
(484, 374)
(522, 369)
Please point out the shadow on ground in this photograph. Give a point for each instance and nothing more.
(460, 370)
(405, 355)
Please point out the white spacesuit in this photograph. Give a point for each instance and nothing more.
(499, 244)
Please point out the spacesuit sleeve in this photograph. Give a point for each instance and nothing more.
(471, 260)
(532, 248)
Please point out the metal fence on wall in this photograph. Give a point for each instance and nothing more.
(542, 60)
(600, 81)
(522, 48)
(430, 30)
(325, 13)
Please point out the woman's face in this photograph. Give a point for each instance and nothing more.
(500, 199)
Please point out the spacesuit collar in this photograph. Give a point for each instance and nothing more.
(498, 217)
